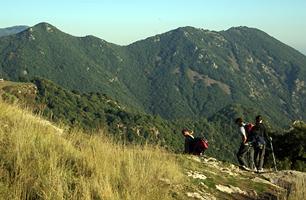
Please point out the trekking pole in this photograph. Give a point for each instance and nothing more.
(273, 156)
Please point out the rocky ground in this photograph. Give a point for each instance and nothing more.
(209, 179)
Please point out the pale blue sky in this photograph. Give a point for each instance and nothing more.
(123, 22)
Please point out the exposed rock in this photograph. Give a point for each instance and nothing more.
(204, 196)
(230, 189)
(196, 175)
(227, 181)
(157, 39)
(293, 181)
(260, 180)
(195, 195)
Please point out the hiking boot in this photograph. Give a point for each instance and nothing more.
(245, 168)
(260, 171)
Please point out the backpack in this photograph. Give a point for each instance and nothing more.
(260, 142)
(248, 129)
(258, 139)
(200, 145)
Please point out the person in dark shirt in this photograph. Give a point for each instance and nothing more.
(259, 138)
(244, 147)
(189, 140)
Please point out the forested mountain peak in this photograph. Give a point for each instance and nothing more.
(183, 73)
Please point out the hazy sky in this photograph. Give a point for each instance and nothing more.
(125, 21)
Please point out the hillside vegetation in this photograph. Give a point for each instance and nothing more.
(40, 161)
(92, 111)
(183, 73)
(95, 111)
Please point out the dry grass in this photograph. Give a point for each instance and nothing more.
(39, 162)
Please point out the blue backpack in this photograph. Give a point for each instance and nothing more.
(260, 142)
(257, 139)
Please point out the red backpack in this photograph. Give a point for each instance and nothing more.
(248, 128)
(200, 145)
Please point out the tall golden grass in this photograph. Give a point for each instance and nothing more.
(39, 161)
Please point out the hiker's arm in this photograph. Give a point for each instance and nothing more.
(243, 134)
(244, 139)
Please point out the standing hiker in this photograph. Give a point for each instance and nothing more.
(244, 146)
(260, 137)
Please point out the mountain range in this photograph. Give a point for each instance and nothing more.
(12, 30)
(101, 96)
(184, 73)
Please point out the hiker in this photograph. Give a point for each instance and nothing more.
(189, 140)
(259, 138)
(245, 146)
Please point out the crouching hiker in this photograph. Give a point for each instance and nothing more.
(245, 146)
(189, 140)
(194, 145)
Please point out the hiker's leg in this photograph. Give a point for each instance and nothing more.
(262, 157)
(247, 157)
(241, 154)
(238, 155)
(256, 157)
(251, 153)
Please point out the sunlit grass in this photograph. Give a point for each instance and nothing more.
(39, 161)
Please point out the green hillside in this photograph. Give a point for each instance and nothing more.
(92, 112)
(184, 73)
(198, 72)
(84, 64)
(41, 160)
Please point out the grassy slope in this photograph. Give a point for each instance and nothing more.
(41, 161)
